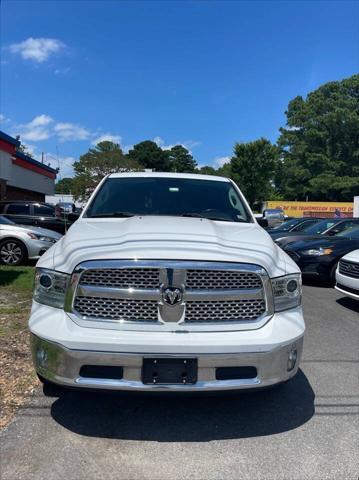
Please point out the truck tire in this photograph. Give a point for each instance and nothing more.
(50, 389)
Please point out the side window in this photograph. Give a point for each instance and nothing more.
(303, 225)
(236, 203)
(18, 209)
(44, 211)
(346, 225)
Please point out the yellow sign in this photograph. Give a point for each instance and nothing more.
(299, 209)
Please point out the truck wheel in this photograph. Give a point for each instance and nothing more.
(50, 389)
(12, 252)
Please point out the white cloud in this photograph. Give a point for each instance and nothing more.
(159, 141)
(109, 137)
(189, 144)
(3, 119)
(37, 49)
(62, 71)
(36, 130)
(65, 163)
(66, 166)
(220, 161)
(40, 121)
(70, 131)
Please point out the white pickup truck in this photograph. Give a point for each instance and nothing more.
(166, 282)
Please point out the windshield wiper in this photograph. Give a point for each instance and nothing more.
(113, 214)
(198, 215)
(190, 214)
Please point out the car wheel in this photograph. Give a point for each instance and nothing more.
(12, 252)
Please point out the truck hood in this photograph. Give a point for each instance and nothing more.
(172, 238)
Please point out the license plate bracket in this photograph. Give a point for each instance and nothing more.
(169, 371)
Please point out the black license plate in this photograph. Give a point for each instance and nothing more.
(172, 371)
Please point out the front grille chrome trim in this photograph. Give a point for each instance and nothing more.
(348, 268)
(155, 294)
(172, 321)
(120, 293)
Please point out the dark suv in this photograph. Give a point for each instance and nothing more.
(37, 214)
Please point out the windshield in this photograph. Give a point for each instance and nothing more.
(319, 227)
(288, 224)
(5, 221)
(215, 200)
(351, 232)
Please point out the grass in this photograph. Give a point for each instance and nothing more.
(20, 279)
(17, 376)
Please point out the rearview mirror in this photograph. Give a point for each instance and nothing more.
(263, 222)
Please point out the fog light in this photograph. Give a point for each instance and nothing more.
(41, 356)
(292, 360)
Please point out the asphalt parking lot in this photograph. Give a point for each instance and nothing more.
(306, 429)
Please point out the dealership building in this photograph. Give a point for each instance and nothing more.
(22, 177)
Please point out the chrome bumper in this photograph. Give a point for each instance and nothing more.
(61, 365)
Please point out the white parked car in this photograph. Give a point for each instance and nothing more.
(166, 282)
(21, 242)
(347, 275)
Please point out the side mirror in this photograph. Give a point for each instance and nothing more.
(263, 222)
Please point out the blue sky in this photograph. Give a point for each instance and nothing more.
(202, 73)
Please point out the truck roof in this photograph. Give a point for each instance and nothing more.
(195, 176)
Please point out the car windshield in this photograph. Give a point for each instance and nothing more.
(5, 221)
(288, 224)
(351, 232)
(319, 227)
(187, 197)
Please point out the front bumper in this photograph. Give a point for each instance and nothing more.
(60, 347)
(347, 285)
(62, 366)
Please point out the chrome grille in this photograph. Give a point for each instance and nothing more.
(117, 309)
(224, 311)
(135, 292)
(122, 278)
(349, 269)
(221, 279)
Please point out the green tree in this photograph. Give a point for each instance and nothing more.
(320, 144)
(253, 168)
(150, 155)
(23, 148)
(206, 170)
(106, 157)
(181, 160)
(64, 185)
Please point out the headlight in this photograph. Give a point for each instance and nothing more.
(317, 251)
(50, 287)
(43, 238)
(287, 291)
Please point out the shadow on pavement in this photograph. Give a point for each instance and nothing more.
(200, 418)
(349, 303)
(310, 281)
